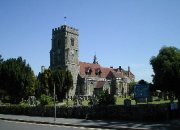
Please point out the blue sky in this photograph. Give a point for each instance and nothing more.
(120, 32)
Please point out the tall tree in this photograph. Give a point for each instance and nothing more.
(63, 81)
(131, 87)
(60, 78)
(45, 82)
(2, 92)
(166, 66)
(68, 82)
(142, 81)
(17, 79)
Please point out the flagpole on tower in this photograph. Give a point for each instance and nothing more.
(65, 20)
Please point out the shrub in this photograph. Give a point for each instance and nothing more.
(106, 99)
(24, 103)
(6, 99)
(46, 100)
(148, 112)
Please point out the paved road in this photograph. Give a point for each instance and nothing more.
(104, 124)
(13, 125)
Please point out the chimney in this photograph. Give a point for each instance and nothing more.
(120, 68)
(129, 71)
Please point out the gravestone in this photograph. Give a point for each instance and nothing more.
(127, 102)
(32, 101)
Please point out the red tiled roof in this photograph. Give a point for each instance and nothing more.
(84, 67)
(105, 72)
(94, 67)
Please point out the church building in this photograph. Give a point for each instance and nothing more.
(88, 78)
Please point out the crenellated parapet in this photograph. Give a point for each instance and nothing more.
(65, 28)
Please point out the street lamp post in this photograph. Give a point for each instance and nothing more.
(54, 103)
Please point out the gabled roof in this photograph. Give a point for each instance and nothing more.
(105, 72)
(85, 66)
(91, 70)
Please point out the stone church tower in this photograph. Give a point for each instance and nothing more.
(65, 52)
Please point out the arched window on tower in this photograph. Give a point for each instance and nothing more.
(67, 55)
(53, 58)
(53, 43)
(59, 43)
(72, 41)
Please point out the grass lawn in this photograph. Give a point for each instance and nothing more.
(119, 101)
(71, 102)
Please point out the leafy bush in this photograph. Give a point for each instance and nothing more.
(24, 103)
(6, 99)
(46, 100)
(106, 99)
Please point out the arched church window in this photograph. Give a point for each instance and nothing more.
(72, 41)
(59, 43)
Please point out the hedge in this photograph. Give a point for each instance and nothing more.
(150, 112)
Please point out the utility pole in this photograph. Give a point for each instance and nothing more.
(54, 103)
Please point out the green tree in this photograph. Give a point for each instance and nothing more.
(2, 92)
(45, 83)
(131, 87)
(63, 81)
(166, 66)
(142, 81)
(17, 79)
(68, 82)
(60, 78)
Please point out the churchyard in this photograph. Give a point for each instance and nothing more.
(120, 101)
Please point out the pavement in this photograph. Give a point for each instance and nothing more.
(103, 124)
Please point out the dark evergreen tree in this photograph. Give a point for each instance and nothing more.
(45, 82)
(68, 82)
(17, 79)
(60, 78)
(63, 82)
(142, 82)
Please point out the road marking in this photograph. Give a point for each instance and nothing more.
(74, 127)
